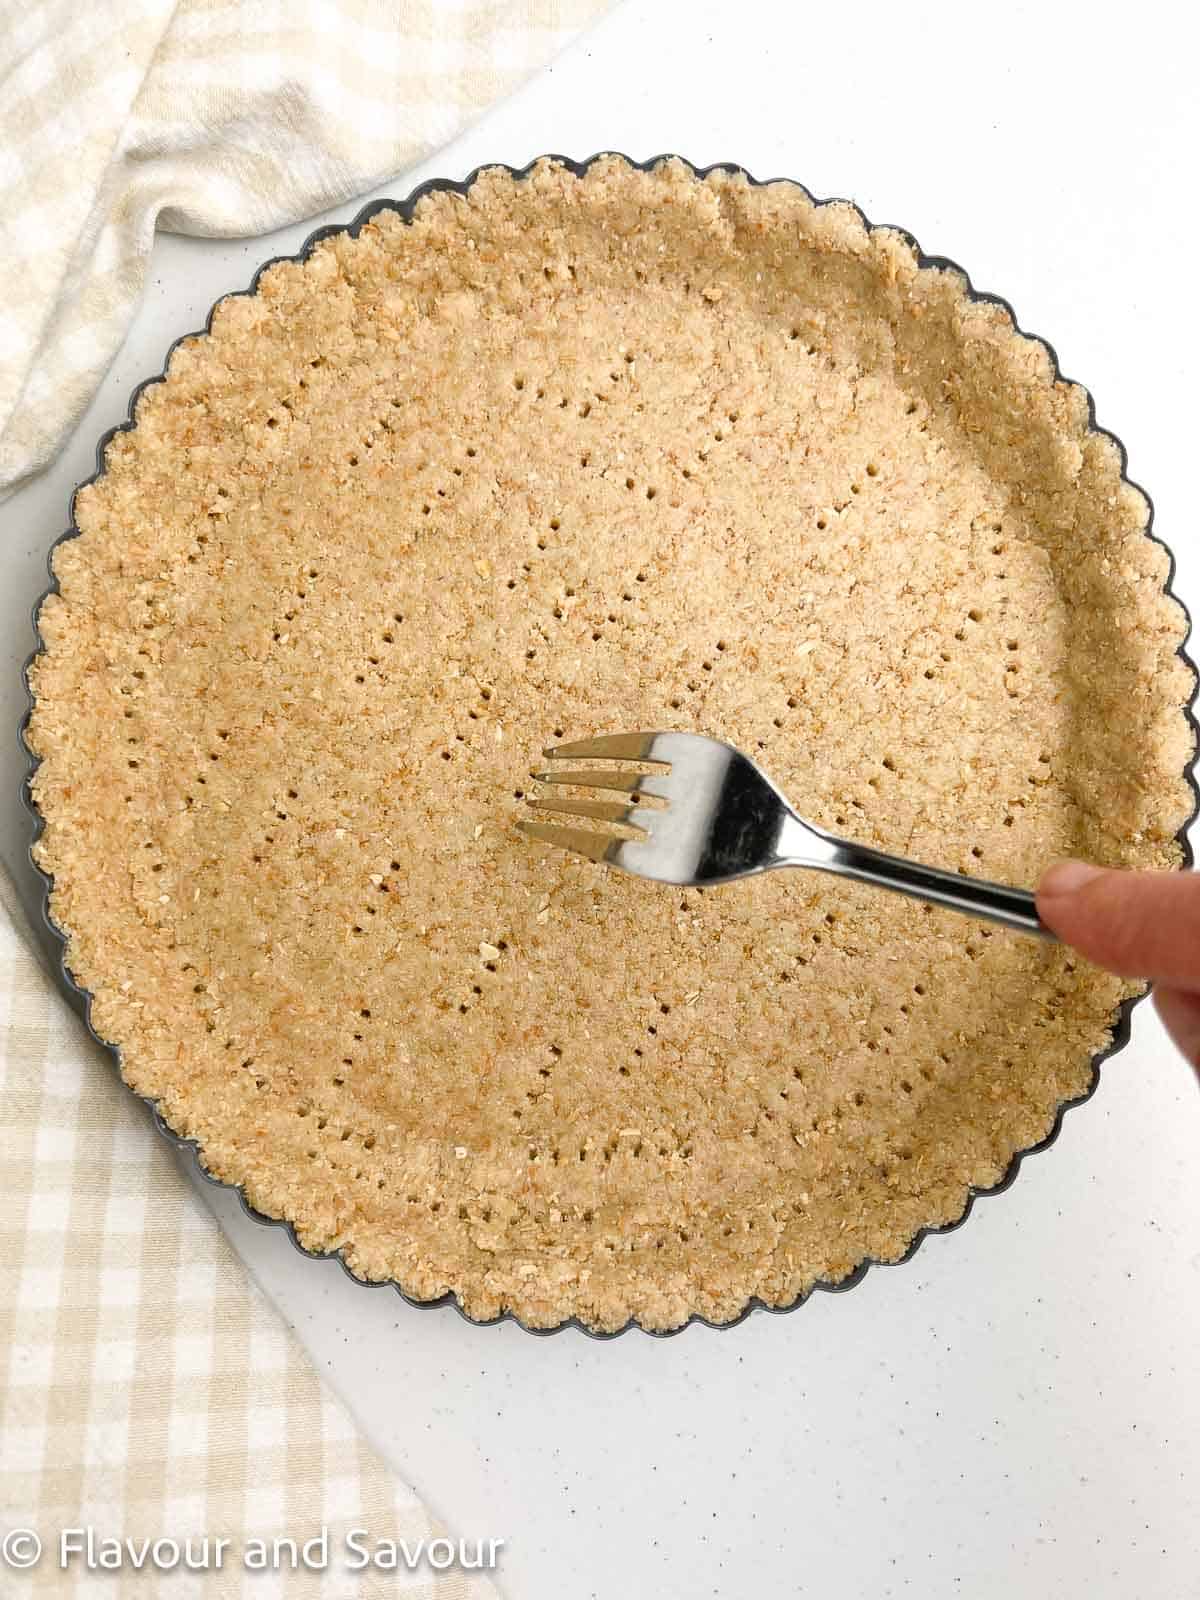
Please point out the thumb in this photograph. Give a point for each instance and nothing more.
(1137, 924)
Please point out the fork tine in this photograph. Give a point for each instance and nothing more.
(595, 778)
(595, 846)
(610, 747)
(600, 810)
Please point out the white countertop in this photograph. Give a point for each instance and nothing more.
(1018, 1409)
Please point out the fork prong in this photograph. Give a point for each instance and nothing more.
(595, 846)
(609, 747)
(599, 810)
(594, 778)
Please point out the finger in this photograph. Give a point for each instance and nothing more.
(1139, 924)
(1180, 1012)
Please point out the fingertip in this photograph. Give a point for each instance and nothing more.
(1140, 924)
(1059, 898)
(1066, 878)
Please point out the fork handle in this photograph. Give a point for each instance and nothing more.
(995, 902)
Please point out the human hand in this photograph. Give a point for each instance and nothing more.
(1137, 924)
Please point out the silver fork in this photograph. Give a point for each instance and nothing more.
(704, 813)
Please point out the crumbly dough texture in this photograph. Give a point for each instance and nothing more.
(563, 456)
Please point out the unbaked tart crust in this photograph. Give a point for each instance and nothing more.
(567, 455)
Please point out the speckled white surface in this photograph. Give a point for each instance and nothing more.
(1018, 1409)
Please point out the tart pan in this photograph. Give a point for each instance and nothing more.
(55, 940)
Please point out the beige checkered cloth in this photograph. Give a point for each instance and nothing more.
(147, 1387)
(214, 117)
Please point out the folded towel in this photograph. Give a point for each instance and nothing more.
(147, 1387)
(214, 117)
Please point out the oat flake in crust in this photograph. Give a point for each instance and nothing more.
(580, 454)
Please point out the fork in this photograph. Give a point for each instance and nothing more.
(696, 811)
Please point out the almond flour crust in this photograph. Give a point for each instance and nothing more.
(631, 449)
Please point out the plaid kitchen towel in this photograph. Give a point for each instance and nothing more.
(214, 117)
(148, 1390)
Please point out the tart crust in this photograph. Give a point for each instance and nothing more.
(568, 455)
